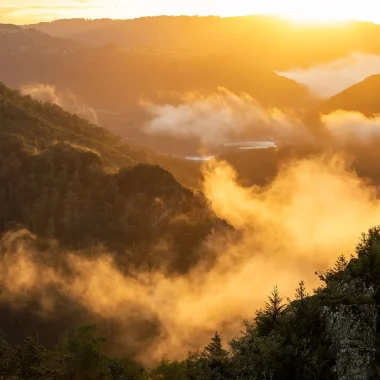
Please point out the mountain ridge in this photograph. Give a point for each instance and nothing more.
(361, 97)
(81, 168)
(274, 41)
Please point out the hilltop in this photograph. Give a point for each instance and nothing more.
(14, 38)
(114, 82)
(362, 97)
(272, 42)
(64, 178)
(113, 78)
(98, 230)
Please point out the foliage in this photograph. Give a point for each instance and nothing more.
(81, 356)
(168, 370)
(87, 190)
(64, 178)
(282, 342)
(210, 363)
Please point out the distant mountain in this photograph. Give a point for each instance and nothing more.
(362, 97)
(14, 38)
(113, 80)
(271, 42)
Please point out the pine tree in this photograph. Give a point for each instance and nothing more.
(340, 264)
(335, 274)
(267, 318)
(275, 306)
(215, 348)
(216, 360)
(301, 292)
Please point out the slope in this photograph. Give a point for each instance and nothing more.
(15, 38)
(64, 178)
(111, 78)
(112, 81)
(362, 97)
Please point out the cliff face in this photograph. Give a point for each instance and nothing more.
(352, 330)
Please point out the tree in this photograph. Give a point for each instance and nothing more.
(256, 357)
(210, 364)
(168, 370)
(340, 264)
(7, 360)
(367, 265)
(267, 318)
(300, 297)
(368, 241)
(301, 292)
(336, 274)
(30, 362)
(125, 369)
(214, 349)
(82, 356)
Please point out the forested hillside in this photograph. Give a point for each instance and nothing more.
(115, 86)
(327, 333)
(64, 178)
(171, 183)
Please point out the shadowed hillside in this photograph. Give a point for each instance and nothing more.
(330, 333)
(65, 178)
(159, 181)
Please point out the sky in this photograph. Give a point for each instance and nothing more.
(30, 11)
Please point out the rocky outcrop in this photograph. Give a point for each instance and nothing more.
(352, 331)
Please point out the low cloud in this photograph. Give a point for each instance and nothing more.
(64, 99)
(221, 116)
(352, 126)
(216, 119)
(314, 210)
(328, 79)
(224, 116)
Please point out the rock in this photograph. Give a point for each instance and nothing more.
(352, 331)
(357, 287)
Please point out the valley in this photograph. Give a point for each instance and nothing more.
(174, 206)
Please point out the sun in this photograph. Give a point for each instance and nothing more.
(306, 11)
(317, 14)
(321, 11)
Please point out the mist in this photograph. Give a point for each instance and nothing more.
(352, 126)
(215, 119)
(64, 99)
(223, 115)
(314, 210)
(328, 79)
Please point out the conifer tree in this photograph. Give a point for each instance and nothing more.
(215, 348)
(301, 292)
(267, 318)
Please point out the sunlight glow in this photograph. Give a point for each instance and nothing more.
(309, 11)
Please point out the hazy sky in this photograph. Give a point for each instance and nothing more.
(26, 11)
